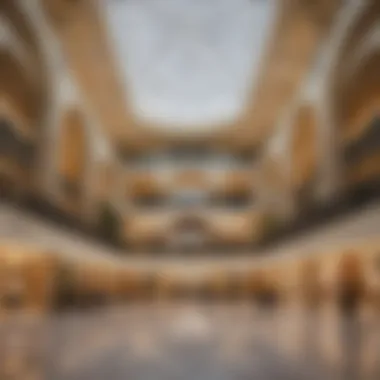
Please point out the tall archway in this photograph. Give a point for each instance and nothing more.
(72, 156)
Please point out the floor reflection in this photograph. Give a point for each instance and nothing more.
(192, 341)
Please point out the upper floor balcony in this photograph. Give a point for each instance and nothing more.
(190, 186)
(198, 228)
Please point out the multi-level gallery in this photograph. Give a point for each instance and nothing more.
(189, 189)
(79, 147)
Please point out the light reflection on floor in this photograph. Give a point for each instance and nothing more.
(192, 341)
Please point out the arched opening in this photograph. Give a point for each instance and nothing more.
(72, 159)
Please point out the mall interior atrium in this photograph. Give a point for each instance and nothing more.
(201, 151)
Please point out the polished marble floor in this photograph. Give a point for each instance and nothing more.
(192, 341)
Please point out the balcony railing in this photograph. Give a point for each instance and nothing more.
(190, 158)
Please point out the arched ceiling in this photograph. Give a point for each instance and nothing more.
(299, 28)
(188, 64)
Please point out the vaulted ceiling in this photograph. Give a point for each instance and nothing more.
(298, 30)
